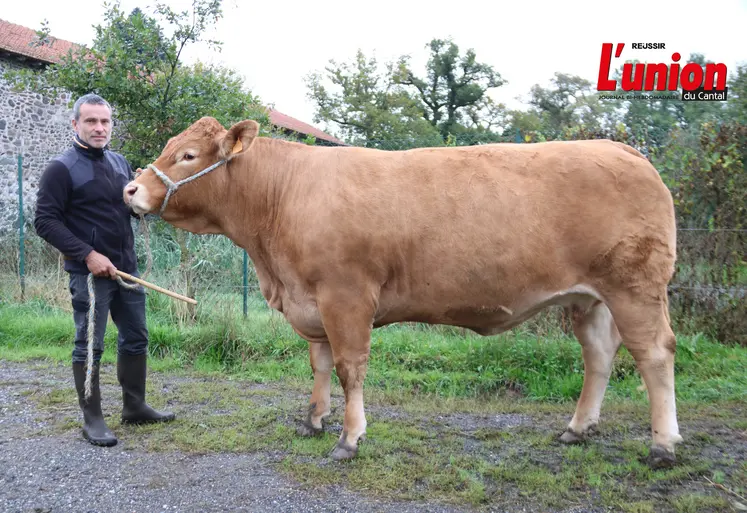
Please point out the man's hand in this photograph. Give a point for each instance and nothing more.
(100, 266)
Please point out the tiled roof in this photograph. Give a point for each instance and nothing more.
(16, 38)
(277, 118)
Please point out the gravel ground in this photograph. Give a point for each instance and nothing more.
(65, 473)
(43, 470)
(46, 465)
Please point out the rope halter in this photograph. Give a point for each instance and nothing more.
(172, 187)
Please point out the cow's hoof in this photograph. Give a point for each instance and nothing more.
(306, 429)
(344, 451)
(571, 437)
(660, 458)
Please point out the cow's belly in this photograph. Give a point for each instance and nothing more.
(580, 296)
(487, 316)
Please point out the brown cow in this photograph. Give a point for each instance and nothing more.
(348, 239)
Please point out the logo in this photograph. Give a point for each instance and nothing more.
(697, 83)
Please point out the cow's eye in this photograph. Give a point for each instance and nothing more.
(188, 156)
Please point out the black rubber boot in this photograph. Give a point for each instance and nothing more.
(95, 429)
(131, 374)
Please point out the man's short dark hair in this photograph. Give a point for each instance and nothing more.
(90, 98)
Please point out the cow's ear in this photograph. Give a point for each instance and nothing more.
(239, 138)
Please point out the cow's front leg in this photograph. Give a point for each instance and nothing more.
(320, 355)
(348, 323)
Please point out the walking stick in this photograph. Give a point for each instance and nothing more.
(155, 287)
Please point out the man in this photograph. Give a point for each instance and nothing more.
(80, 212)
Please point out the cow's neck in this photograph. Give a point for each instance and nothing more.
(254, 191)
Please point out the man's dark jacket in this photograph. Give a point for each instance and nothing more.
(79, 207)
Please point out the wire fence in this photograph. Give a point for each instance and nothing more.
(707, 293)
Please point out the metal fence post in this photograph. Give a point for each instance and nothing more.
(246, 281)
(21, 241)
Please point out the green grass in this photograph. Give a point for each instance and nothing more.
(427, 360)
(244, 385)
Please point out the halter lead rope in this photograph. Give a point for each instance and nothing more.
(172, 187)
(90, 329)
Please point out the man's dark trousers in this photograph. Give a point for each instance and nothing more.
(127, 309)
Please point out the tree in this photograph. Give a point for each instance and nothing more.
(736, 107)
(693, 114)
(486, 115)
(567, 103)
(651, 120)
(366, 105)
(141, 73)
(525, 125)
(453, 92)
(704, 167)
(155, 95)
(140, 35)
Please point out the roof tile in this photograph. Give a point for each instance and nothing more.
(17, 39)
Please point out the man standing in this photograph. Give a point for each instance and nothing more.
(80, 212)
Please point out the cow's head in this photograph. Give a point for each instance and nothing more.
(200, 146)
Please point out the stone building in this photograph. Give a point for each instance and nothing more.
(38, 128)
(31, 125)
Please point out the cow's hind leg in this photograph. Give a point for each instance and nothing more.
(600, 340)
(320, 355)
(348, 323)
(646, 333)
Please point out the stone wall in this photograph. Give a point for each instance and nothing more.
(36, 127)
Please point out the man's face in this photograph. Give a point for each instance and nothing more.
(94, 126)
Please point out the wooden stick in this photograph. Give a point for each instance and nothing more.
(155, 287)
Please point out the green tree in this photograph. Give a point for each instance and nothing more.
(142, 74)
(452, 94)
(736, 106)
(570, 102)
(693, 114)
(362, 100)
(650, 121)
(526, 124)
(704, 168)
(140, 35)
(394, 108)
(155, 95)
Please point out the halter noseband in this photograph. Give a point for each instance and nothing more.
(172, 187)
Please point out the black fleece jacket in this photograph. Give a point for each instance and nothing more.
(79, 207)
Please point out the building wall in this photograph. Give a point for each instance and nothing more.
(37, 128)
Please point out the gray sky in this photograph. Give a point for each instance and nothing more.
(274, 44)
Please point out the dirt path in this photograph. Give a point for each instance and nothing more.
(46, 466)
